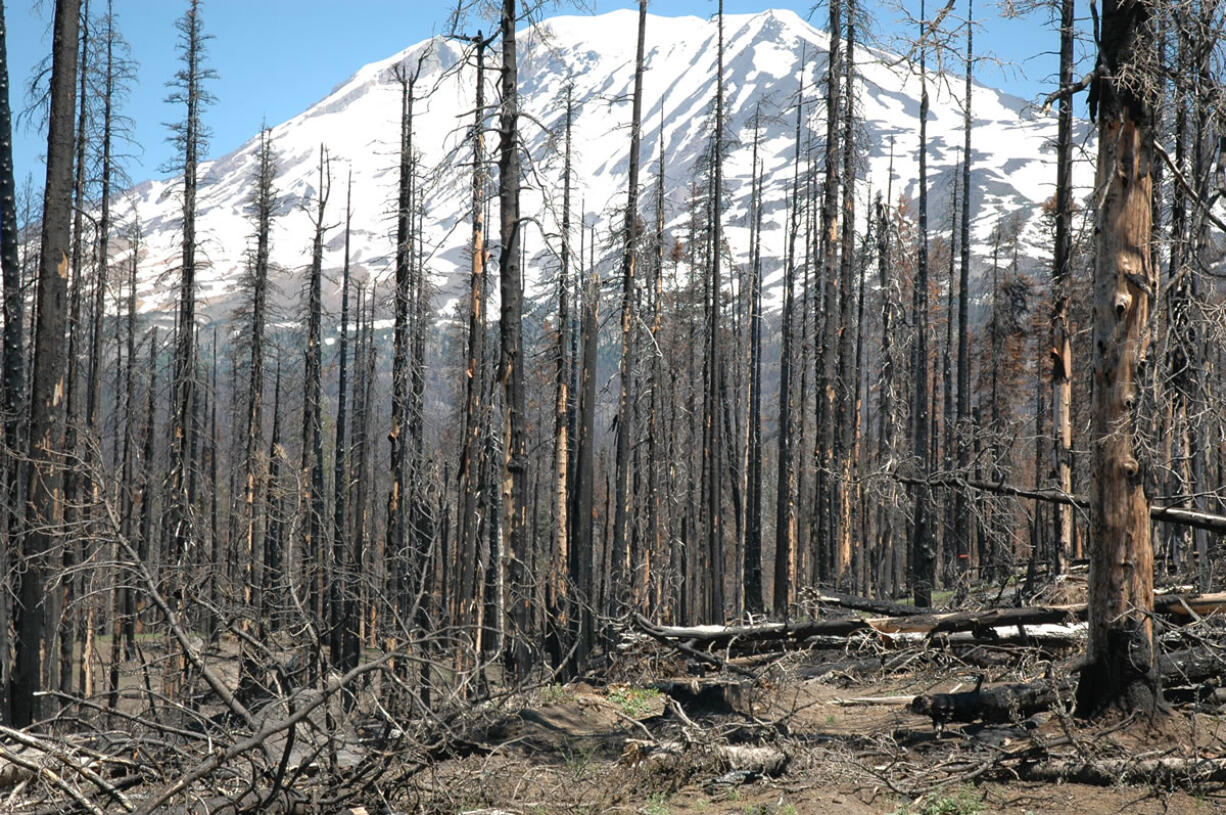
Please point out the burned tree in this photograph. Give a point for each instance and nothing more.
(627, 371)
(44, 509)
(1122, 663)
(189, 136)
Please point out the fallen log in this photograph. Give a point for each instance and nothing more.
(1192, 665)
(721, 636)
(885, 608)
(1011, 702)
(857, 701)
(1108, 772)
(995, 705)
(698, 698)
(1170, 514)
(766, 760)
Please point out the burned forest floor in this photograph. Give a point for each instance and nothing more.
(829, 743)
(832, 724)
(861, 707)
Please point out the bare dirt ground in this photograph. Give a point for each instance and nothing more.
(625, 748)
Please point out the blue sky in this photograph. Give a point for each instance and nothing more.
(276, 57)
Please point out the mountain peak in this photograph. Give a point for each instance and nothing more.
(359, 123)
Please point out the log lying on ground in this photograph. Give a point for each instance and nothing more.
(995, 705)
(1108, 772)
(1170, 514)
(720, 636)
(699, 698)
(766, 760)
(885, 608)
(1012, 702)
(1192, 666)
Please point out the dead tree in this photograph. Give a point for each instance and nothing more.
(263, 205)
(923, 547)
(189, 137)
(713, 442)
(1062, 349)
(468, 597)
(513, 491)
(557, 596)
(43, 513)
(398, 436)
(342, 584)
(1122, 664)
(583, 517)
(785, 520)
(847, 417)
(752, 555)
(315, 547)
(626, 395)
(13, 362)
(962, 518)
(827, 500)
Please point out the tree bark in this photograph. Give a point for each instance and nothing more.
(344, 579)
(1062, 348)
(630, 252)
(43, 512)
(1122, 665)
(468, 600)
(923, 557)
(512, 581)
(13, 362)
(558, 595)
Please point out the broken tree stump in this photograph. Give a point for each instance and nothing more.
(995, 705)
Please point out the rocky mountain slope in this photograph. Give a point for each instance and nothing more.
(770, 56)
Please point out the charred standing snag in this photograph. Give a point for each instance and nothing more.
(1122, 663)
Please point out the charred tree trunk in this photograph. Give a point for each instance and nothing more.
(826, 497)
(469, 482)
(1062, 349)
(264, 203)
(846, 414)
(342, 585)
(923, 556)
(558, 597)
(583, 535)
(189, 137)
(43, 512)
(626, 395)
(752, 563)
(785, 520)
(315, 548)
(712, 409)
(512, 581)
(13, 362)
(1122, 667)
(269, 617)
(396, 548)
(962, 516)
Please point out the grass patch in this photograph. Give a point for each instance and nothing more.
(557, 694)
(635, 702)
(965, 801)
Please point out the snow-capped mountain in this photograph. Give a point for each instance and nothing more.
(768, 57)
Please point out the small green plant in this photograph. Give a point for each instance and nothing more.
(578, 761)
(557, 694)
(635, 702)
(963, 802)
(769, 809)
(656, 805)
